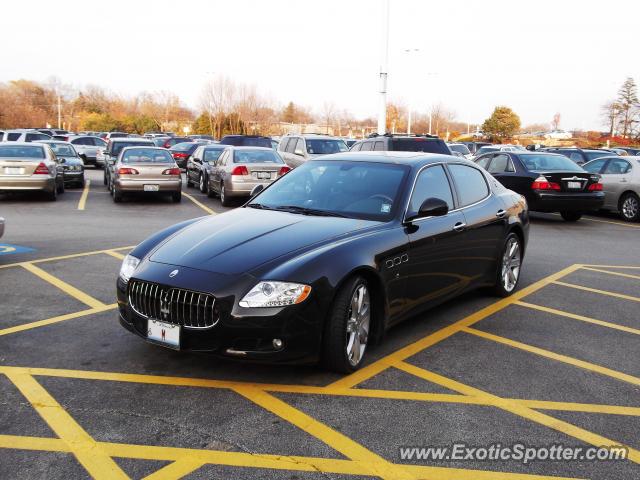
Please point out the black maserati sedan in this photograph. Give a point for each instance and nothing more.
(549, 181)
(318, 265)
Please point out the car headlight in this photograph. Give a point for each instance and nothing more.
(275, 294)
(129, 265)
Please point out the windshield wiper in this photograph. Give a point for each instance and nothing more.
(258, 205)
(309, 211)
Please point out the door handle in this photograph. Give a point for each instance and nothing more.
(501, 213)
(460, 226)
(624, 180)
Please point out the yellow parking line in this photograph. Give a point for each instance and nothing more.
(517, 409)
(620, 224)
(336, 440)
(579, 407)
(85, 193)
(176, 469)
(382, 364)
(64, 257)
(258, 460)
(608, 272)
(601, 292)
(52, 320)
(582, 318)
(65, 287)
(613, 266)
(556, 356)
(80, 443)
(198, 203)
(117, 255)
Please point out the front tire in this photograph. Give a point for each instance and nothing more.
(571, 216)
(347, 330)
(630, 207)
(60, 187)
(52, 196)
(203, 184)
(509, 266)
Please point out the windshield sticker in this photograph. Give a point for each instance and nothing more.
(386, 208)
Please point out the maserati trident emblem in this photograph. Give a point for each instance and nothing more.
(174, 273)
(165, 310)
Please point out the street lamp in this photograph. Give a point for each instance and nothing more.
(409, 51)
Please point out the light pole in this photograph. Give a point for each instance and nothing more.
(408, 51)
(382, 107)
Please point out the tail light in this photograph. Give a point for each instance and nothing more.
(179, 155)
(171, 171)
(240, 170)
(595, 187)
(284, 170)
(127, 171)
(41, 169)
(541, 183)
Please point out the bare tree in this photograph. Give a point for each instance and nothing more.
(555, 123)
(628, 102)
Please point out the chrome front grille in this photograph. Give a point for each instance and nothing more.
(173, 305)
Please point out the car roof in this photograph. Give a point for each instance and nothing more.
(232, 147)
(52, 141)
(20, 144)
(393, 157)
(536, 152)
(130, 139)
(146, 147)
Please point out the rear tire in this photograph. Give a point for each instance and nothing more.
(224, 199)
(117, 196)
(630, 207)
(348, 327)
(176, 197)
(52, 196)
(509, 264)
(571, 216)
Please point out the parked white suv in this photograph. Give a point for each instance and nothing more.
(24, 135)
(297, 149)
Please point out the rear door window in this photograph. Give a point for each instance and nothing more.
(378, 146)
(595, 166)
(500, 164)
(617, 167)
(484, 161)
(12, 137)
(291, 146)
(470, 183)
(366, 147)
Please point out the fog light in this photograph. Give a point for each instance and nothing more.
(277, 343)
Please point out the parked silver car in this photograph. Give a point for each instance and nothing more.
(24, 135)
(297, 149)
(30, 166)
(620, 183)
(87, 147)
(238, 170)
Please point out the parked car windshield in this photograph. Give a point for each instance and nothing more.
(146, 155)
(185, 147)
(117, 147)
(419, 144)
(364, 190)
(550, 163)
(7, 151)
(482, 150)
(62, 150)
(324, 147)
(211, 154)
(256, 156)
(460, 148)
(247, 141)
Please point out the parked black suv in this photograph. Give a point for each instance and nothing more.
(402, 143)
(246, 141)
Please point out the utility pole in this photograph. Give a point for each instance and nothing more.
(382, 107)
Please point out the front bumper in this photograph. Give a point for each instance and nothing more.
(73, 176)
(27, 183)
(242, 333)
(138, 185)
(566, 202)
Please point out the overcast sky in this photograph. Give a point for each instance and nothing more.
(538, 57)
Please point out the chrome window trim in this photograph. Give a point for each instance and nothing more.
(459, 209)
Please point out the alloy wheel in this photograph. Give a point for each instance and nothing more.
(202, 183)
(358, 322)
(511, 260)
(630, 207)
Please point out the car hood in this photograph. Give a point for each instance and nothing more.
(243, 239)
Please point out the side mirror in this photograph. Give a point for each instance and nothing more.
(297, 151)
(196, 160)
(431, 207)
(256, 190)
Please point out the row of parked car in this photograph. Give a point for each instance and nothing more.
(552, 179)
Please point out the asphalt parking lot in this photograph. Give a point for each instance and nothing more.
(558, 362)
